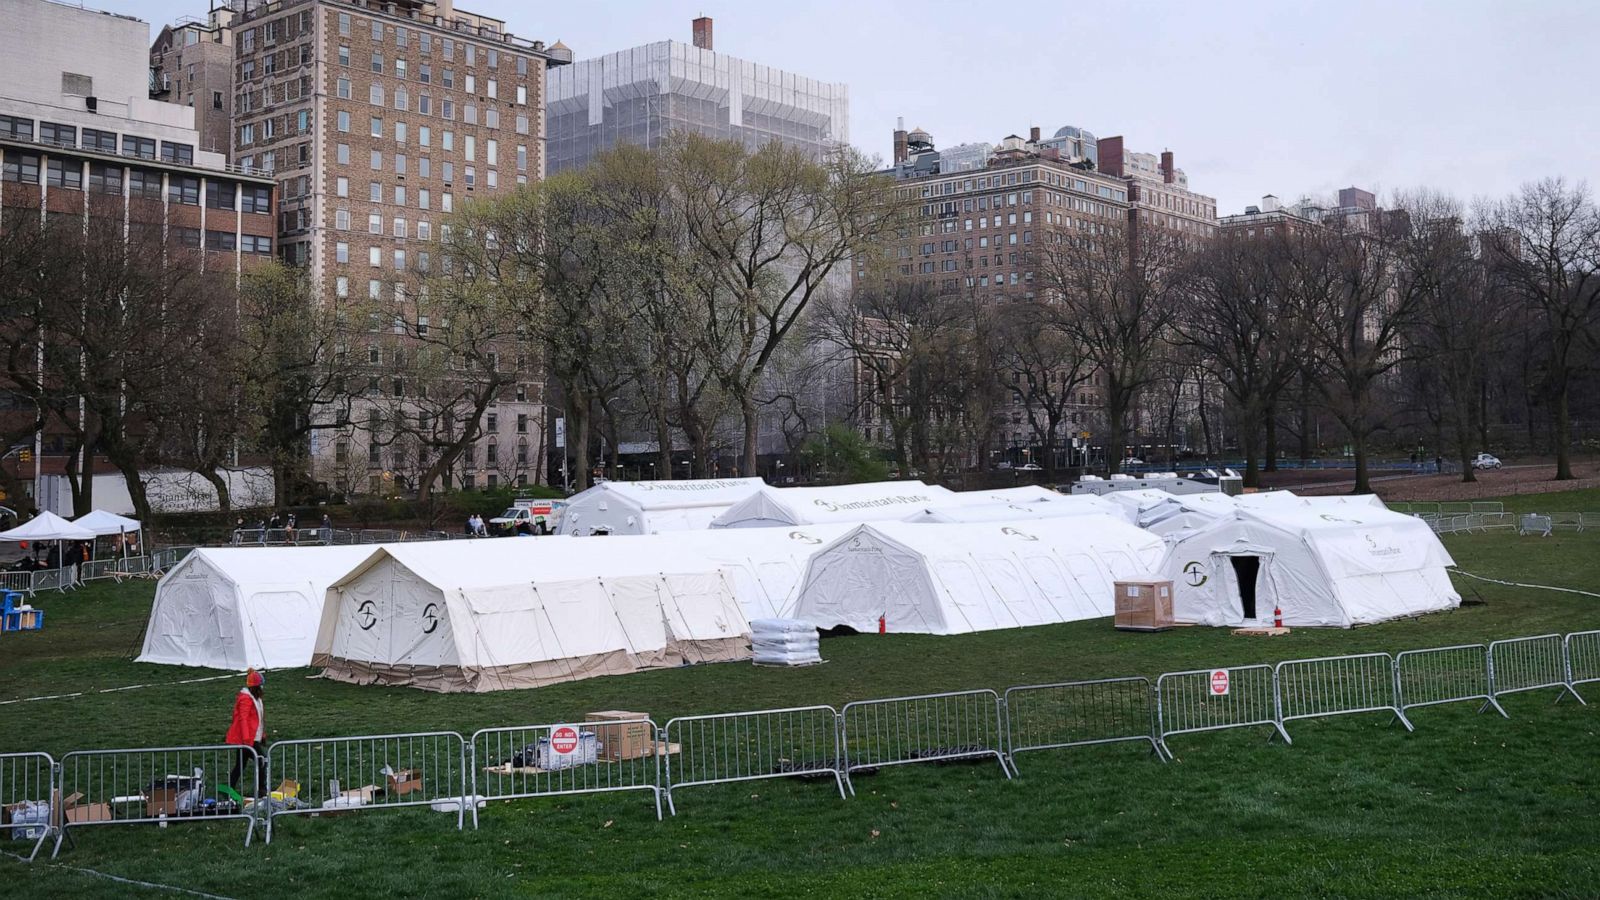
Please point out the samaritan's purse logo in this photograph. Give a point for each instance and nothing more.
(366, 617)
(803, 537)
(1017, 533)
(1195, 574)
(430, 618)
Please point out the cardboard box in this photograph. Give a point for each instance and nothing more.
(404, 781)
(75, 811)
(162, 797)
(287, 789)
(624, 740)
(1143, 605)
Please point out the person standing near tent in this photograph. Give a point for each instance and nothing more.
(249, 729)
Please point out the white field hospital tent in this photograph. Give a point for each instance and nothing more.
(1031, 493)
(953, 579)
(234, 608)
(1058, 508)
(471, 616)
(651, 507)
(848, 503)
(1321, 563)
(763, 565)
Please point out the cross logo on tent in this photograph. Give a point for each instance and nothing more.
(1196, 573)
(430, 618)
(1015, 533)
(366, 617)
(802, 536)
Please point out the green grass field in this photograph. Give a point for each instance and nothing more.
(1469, 805)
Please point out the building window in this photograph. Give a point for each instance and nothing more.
(220, 240)
(342, 121)
(374, 257)
(58, 135)
(256, 199)
(342, 187)
(187, 237)
(144, 184)
(65, 174)
(184, 190)
(341, 286)
(144, 148)
(16, 128)
(219, 195)
(341, 252)
(105, 179)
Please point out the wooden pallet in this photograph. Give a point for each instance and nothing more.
(508, 769)
(1261, 631)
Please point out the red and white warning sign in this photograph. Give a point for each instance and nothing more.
(1219, 682)
(563, 740)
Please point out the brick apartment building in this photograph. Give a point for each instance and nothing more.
(378, 120)
(80, 138)
(191, 64)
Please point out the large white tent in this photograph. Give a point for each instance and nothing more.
(1058, 508)
(650, 507)
(480, 616)
(783, 507)
(1030, 493)
(957, 578)
(232, 608)
(1321, 563)
(763, 565)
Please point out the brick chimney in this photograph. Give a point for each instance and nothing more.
(1033, 135)
(702, 32)
(902, 150)
(1168, 174)
(1111, 156)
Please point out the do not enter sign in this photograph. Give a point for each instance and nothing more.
(1219, 682)
(563, 740)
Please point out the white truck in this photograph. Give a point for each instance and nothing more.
(529, 516)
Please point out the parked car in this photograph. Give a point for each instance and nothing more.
(529, 517)
(1485, 461)
(1133, 461)
(1030, 467)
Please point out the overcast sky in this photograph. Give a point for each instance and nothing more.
(1272, 96)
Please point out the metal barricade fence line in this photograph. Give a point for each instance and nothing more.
(20, 582)
(1581, 652)
(54, 579)
(922, 728)
(1185, 703)
(28, 791)
(346, 773)
(96, 569)
(528, 745)
(134, 565)
(1079, 714)
(1337, 685)
(159, 786)
(1436, 675)
(1528, 664)
(723, 748)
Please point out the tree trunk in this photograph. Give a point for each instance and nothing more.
(1563, 434)
(578, 415)
(663, 434)
(1270, 423)
(1117, 420)
(752, 431)
(220, 485)
(1358, 443)
(1250, 443)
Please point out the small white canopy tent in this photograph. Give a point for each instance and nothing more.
(233, 608)
(482, 616)
(958, 578)
(1322, 564)
(847, 503)
(651, 507)
(47, 526)
(103, 523)
(1060, 507)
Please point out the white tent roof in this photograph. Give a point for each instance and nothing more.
(47, 526)
(1031, 493)
(1060, 507)
(770, 507)
(1281, 499)
(1321, 563)
(643, 507)
(231, 608)
(480, 615)
(956, 578)
(102, 522)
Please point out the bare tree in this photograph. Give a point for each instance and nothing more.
(1547, 251)
(1039, 363)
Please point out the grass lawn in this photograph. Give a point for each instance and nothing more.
(1469, 805)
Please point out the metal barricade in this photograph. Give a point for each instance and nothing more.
(97, 568)
(531, 761)
(797, 742)
(377, 771)
(249, 536)
(21, 582)
(1495, 521)
(1488, 506)
(342, 537)
(1454, 508)
(1582, 652)
(1588, 520)
(377, 536)
(924, 728)
(54, 579)
(1533, 523)
(134, 565)
(1079, 713)
(27, 783)
(1444, 675)
(1569, 521)
(1528, 664)
(1337, 686)
(160, 786)
(167, 557)
(1188, 702)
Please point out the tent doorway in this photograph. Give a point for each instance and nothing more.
(1246, 573)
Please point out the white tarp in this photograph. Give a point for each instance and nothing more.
(958, 578)
(232, 608)
(848, 503)
(1060, 507)
(1321, 563)
(496, 615)
(651, 507)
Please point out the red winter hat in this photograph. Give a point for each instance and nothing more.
(253, 678)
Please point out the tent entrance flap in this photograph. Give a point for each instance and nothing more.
(1247, 573)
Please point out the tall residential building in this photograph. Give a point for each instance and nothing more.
(644, 94)
(191, 64)
(80, 137)
(379, 119)
(1159, 192)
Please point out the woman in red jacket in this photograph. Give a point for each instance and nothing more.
(249, 730)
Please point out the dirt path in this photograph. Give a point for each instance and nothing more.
(1519, 479)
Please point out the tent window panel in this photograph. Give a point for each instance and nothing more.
(1052, 582)
(1092, 581)
(1014, 591)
